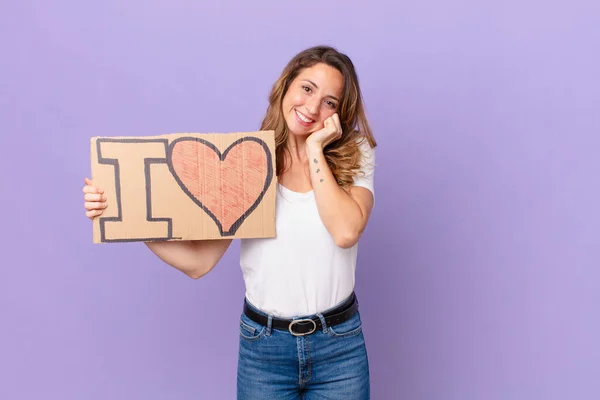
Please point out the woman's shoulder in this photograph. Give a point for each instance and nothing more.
(364, 177)
(367, 150)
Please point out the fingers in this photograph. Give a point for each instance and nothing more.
(334, 126)
(338, 124)
(94, 209)
(331, 131)
(89, 188)
(336, 119)
(95, 205)
(93, 213)
(94, 200)
(94, 197)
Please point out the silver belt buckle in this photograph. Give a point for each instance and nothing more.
(299, 321)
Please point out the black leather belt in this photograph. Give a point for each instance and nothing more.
(306, 326)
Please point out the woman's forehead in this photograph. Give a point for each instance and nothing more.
(324, 77)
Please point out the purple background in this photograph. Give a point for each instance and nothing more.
(478, 273)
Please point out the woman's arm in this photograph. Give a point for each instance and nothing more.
(344, 213)
(195, 258)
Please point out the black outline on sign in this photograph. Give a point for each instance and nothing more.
(119, 218)
(235, 226)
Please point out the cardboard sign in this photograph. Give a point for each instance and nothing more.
(185, 186)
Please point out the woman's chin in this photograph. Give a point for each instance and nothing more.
(299, 131)
(302, 131)
(302, 134)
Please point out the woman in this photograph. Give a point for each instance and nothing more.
(300, 330)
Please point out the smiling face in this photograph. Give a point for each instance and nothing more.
(312, 97)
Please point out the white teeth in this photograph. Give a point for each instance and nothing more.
(303, 118)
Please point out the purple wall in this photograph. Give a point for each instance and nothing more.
(478, 273)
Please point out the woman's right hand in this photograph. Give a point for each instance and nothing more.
(195, 258)
(94, 200)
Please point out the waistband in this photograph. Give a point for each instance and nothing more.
(305, 325)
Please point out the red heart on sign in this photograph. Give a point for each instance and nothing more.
(228, 186)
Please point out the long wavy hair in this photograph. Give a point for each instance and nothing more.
(343, 155)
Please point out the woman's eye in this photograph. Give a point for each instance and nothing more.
(331, 104)
(306, 88)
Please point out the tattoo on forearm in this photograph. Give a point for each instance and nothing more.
(315, 161)
(318, 170)
(322, 179)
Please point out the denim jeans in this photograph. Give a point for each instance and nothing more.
(329, 364)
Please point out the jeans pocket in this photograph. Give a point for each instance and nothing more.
(348, 328)
(250, 330)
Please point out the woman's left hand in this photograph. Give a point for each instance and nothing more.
(332, 131)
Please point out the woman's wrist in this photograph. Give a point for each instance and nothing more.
(313, 149)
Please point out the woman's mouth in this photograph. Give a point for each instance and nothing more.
(303, 119)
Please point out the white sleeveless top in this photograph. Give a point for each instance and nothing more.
(301, 271)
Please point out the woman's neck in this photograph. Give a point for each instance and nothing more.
(297, 148)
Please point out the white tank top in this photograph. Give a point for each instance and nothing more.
(301, 271)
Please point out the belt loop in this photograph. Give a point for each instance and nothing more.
(323, 323)
(269, 325)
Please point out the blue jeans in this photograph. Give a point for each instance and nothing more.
(329, 364)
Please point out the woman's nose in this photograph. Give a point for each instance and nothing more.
(312, 106)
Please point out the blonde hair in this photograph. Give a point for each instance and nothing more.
(343, 155)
